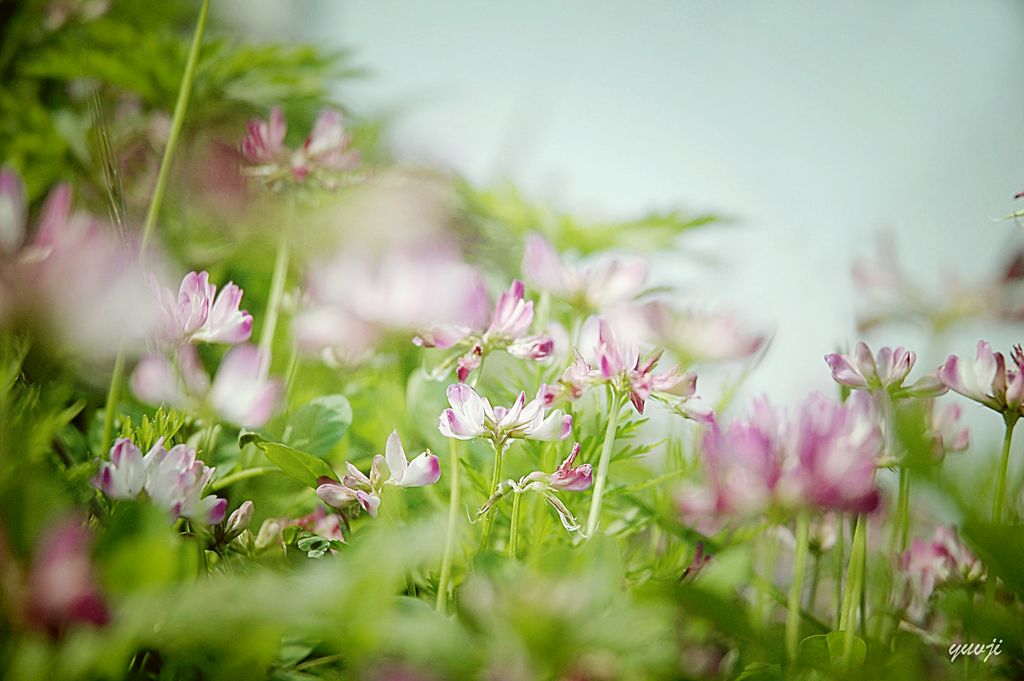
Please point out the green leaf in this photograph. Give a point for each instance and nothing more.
(318, 426)
(825, 651)
(1001, 548)
(295, 463)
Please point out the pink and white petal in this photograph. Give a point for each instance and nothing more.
(844, 372)
(155, 382)
(369, 501)
(336, 495)
(425, 469)
(543, 268)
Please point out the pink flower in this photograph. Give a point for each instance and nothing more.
(324, 155)
(241, 393)
(886, 372)
(606, 282)
(175, 482)
(75, 281)
(62, 586)
(824, 459)
(356, 300)
(199, 314)
(423, 470)
(700, 336)
(238, 521)
(988, 380)
(620, 367)
(508, 330)
(833, 455)
(942, 559)
(471, 416)
(264, 140)
(569, 479)
(124, 476)
(947, 433)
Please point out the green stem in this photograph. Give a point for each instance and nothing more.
(274, 304)
(499, 451)
(180, 106)
(239, 476)
(1004, 464)
(594, 517)
(513, 539)
(999, 501)
(904, 508)
(453, 516)
(854, 585)
(113, 397)
(796, 588)
(837, 571)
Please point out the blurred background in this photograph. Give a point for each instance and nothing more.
(812, 126)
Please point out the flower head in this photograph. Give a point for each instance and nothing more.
(472, 416)
(885, 372)
(930, 563)
(989, 379)
(200, 315)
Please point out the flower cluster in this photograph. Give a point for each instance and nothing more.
(472, 416)
(173, 480)
(394, 468)
(325, 155)
(508, 330)
(824, 459)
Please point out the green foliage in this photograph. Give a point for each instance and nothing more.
(316, 427)
(299, 465)
(165, 424)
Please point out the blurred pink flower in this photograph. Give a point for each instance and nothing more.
(62, 589)
(508, 330)
(931, 563)
(471, 416)
(241, 393)
(325, 155)
(823, 459)
(199, 314)
(947, 433)
(699, 336)
(605, 282)
(74, 283)
(355, 300)
(989, 379)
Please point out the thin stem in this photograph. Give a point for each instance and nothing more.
(999, 501)
(904, 508)
(594, 517)
(453, 516)
(113, 397)
(239, 476)
(180, 106)
(854, 585)
(837, 571)
(499, 451)
(1004, 463)
(796, 588)
(513, 539)
(274, 304)
(812, 590)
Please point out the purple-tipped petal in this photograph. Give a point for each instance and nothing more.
(425, 469)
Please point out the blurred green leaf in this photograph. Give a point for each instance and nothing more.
(825, 651)
(318, 426)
